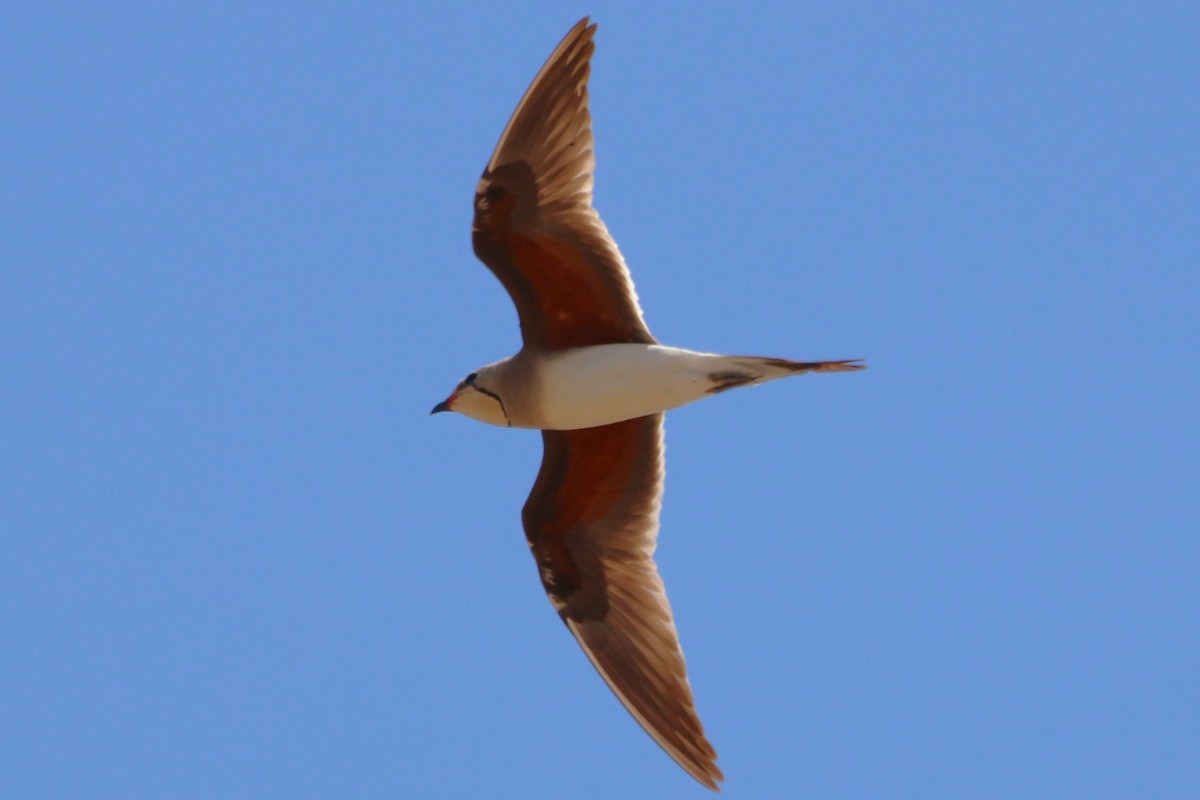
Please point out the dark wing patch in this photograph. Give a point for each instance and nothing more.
(592, 522)
(535, 227)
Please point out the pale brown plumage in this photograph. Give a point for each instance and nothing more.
(592, 521)
(535, 227)
(592, 517)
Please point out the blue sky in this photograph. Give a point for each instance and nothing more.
(239, 560)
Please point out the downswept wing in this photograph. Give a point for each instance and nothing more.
(535, 227)
(592, 521)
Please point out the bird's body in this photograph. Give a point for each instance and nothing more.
(586, 387)
(594, 380)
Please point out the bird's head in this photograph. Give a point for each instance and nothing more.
(476, 397)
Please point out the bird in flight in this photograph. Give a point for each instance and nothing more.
(595, 381)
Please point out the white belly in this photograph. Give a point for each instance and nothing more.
(592, 386)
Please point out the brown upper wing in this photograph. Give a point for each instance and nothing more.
(535, 227)
(592, 521)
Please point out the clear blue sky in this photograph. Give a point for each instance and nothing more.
(239, 560)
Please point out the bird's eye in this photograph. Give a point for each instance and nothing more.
(467, 381)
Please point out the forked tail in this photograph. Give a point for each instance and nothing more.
(745, 370)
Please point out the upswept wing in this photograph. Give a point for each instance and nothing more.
(592, 521)
(535, 227)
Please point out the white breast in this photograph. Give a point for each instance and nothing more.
(591, 386)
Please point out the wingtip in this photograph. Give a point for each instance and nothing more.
(847, 365)
(711, 779)
(585, 28)
(705, 771)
